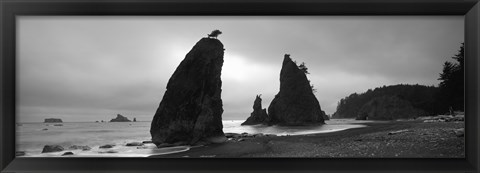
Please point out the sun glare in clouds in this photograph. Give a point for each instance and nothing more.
(235, 68)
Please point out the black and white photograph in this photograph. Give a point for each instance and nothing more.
(240, 86)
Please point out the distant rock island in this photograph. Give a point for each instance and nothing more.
(191, 109)
(295, 104)
(120, 118)
(53, 120)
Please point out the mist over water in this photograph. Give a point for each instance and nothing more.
(32, 137)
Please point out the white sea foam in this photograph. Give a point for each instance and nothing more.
(233, 126)
(31, 137)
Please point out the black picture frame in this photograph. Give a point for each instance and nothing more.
(9, 9)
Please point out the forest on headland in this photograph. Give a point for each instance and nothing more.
(409, 101)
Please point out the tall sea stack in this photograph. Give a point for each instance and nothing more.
(191, 108)
(295, 103)
(259, 115)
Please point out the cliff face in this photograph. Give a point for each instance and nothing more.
(295, 103)
(388, 108)
(120, 118)
(191, 108)
(259, 115)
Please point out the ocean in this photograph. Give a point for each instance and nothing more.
(32, 137)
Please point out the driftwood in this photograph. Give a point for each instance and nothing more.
(396, 132)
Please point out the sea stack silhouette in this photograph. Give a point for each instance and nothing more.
(259, 115)
(295, 103)
(191, 109)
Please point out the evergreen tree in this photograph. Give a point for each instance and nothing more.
(452, 82)
(303, 68)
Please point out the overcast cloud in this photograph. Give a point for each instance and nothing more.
(91, 68)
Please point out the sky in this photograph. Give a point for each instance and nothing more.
(84, 69)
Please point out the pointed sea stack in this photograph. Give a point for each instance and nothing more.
(191, 108)
(259, 115)
(295, 103)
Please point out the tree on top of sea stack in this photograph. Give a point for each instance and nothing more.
(214, 34)
(191, 108)
(295, 103)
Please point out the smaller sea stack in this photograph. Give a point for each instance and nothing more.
(259, 115)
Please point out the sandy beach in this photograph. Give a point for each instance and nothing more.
(410, 139)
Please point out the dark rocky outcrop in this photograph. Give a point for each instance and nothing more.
(295, 103)
(53, 120)
(147, 142)
(191, 108)
(67, 153)
(109, 152)
(20, 153)
(388, 108)
(131, 144)
(120, 118)
(52, 148)
(259, 115)
(79, 147)
(134, 119)
(107, 146)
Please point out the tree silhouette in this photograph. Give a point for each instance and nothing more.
(303, 68)
(214, 34)
(452, 82)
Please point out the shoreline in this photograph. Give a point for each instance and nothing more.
(391, 139)
(372, 139)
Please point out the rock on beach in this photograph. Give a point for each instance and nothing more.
(134, 144)
(107, 146)
(52, 148)
(67, 153)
